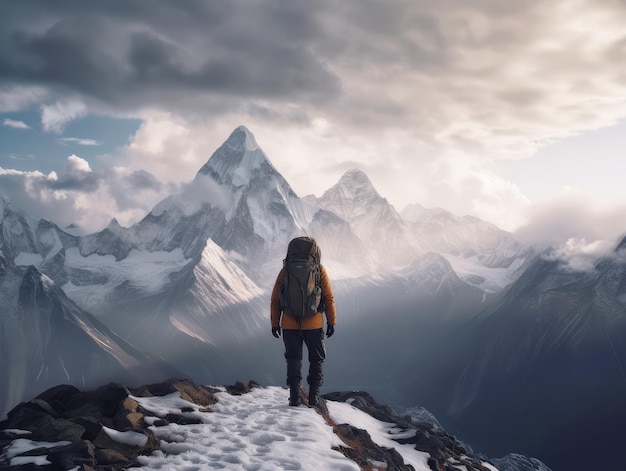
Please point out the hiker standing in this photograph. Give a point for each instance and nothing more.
(301, 296)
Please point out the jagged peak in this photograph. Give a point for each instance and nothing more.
(354, 183)
(358, 177)
(242, 136)
(237, 160)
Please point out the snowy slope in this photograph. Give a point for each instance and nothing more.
(258, 430)
(215, 309)
(480, 252)
(93, 279)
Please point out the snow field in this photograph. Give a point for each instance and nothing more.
(255, 431)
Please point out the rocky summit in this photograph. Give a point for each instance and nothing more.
(116, 427)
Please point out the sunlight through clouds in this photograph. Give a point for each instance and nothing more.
(427, 98)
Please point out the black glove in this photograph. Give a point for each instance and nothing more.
(276, 332)
(330, 330)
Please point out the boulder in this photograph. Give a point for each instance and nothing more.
(189, 390)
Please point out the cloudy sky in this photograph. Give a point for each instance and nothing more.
(510, 111)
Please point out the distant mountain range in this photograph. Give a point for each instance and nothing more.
(46, 339)
(549, 350)
(434, 309)
(219, 243)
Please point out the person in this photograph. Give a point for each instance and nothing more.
(306, 330)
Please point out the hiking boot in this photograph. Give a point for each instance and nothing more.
(313, 395)
(294, 394)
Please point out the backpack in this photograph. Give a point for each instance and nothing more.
(300, 291)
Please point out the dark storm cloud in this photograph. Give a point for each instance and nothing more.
(143, 180)
(145, 52)
(126, 189)
(86, 183)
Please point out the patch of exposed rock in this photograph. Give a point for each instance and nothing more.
(446, 452)
(102, 430)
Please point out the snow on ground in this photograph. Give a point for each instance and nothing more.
(383, 434)
(259, 431)
(23, 445)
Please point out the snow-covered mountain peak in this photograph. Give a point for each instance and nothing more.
(356, 184)
(373, 219)
(353, 196)
(238, 160)
(242, 135)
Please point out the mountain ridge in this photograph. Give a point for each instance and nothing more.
(116, 426)
(189, 282)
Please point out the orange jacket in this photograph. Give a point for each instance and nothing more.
(308, 323)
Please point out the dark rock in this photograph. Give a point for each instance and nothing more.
(91, 426)
(104, 442)
(62, 398)
(73, 455)
(364, 452)
(446, 452)
(64, 413)
(24, 414)
(45, 407)
(189, 390)
(127, 415)
(238, 388)
(49, 429)
(181, 419)
(109, 456)
(108, 398)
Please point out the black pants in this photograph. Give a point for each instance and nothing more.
(314, 340)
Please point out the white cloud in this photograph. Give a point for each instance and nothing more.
(11, 123)
(55, 117)
(79, 141)
(167, 146)
(81, 196)
(576, 226)
(579, 255)
(77, 165)
(17, 98)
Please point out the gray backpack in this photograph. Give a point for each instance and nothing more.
(301, 294)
